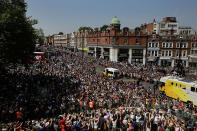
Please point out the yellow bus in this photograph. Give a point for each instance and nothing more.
(179, 88)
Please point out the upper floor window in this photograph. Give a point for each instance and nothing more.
(125, 41)
(184, 53)
(177, 45)
(149, 53)
(170, 53)
(149, 44)
(137, 41)
(184, 45)
(152, 54)
(171, 45)
(156, 44)
(163, 44)
(162, 25)
(177, 53)
(193, 45)
(106, 41)
(172, 25)
(166, 45)
(162, 53)
(153, 44)
(156, 53)
(167, 53)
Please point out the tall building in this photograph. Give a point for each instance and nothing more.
(168, 26)
(73, 41)
(193, 57)
(186, 30)
(60, 40)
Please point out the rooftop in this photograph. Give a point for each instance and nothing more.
(115, 21)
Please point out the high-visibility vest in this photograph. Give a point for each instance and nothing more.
(91, 104)
(147, 101)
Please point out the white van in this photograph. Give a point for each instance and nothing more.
(111, 72)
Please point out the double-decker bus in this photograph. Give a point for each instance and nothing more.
(39, 56)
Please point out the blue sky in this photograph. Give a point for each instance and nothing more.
(68, 15)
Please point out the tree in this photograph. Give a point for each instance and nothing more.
(85, 28)
(96, 29)
(40, 36)
(103, 28)
(60, 33)
(17, 35)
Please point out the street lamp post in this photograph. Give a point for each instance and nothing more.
(180, 69)
(97, 44)
(83, 44)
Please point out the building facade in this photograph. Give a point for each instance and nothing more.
(193, 58)
(60, 40)
(153, 49)
(117, 44)
(173, 49)
(169, 50)
(164, 43)
(188, 31)
(168, 26)
(73, 41)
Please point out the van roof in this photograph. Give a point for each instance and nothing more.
(112, 69)
(178, 79)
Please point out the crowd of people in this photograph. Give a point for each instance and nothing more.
(67, 93)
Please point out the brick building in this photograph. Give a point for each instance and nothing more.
(168, 26)
(157, 42)
(168, 50)
(118, 44)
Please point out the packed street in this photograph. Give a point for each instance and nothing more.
(98, 65)
(68, 92)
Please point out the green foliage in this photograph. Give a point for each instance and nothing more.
(85, 28)
(17, 36)
(60, 33)
(103, 28)
(96, 29)
(40, 36)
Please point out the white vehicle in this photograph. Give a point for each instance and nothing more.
(111, 72)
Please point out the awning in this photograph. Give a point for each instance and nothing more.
(85, 49)
(151, 58)
(123, 55)
(106, 53)
(92, 52)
